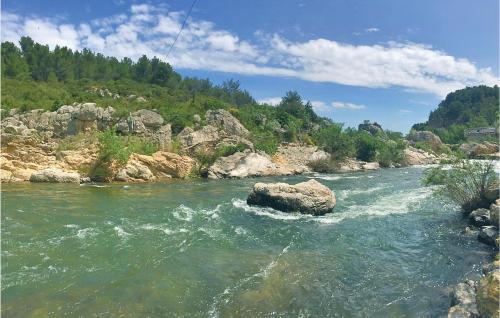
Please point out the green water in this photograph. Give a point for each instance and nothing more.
(195, 249)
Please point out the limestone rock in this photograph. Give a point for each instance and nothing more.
(190, 139)
(309, 197)
(488, 235)
(351, 165)
(372, 128)
(474, 149)
(488, 295)
(414, 156)
(224, 120)
(494, 212)
(463, 300)
(55, 175)
(241, 165)
(427, 137)
(160, 165)
(298, 157)
(480, 217)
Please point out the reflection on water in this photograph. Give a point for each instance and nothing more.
(195, 248)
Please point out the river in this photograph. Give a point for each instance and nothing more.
(196, 249)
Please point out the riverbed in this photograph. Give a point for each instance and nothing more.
(196, 249)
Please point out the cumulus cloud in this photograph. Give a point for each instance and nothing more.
(348, 106)
(150, 30)
(319, 105)
(274, 101)
(372, 30)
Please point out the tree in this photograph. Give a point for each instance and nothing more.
(142, 70)
(13, 64)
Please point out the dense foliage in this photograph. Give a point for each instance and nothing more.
(467, 183)
(466, 108)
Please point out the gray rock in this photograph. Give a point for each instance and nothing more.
(426, 136)
(149, 118)
(241, 165)
(463, 300)
(309, 197)
(494, 213)
(55, 175)
(480, 217)
(372, 128)
(224, 120)
(488, 235)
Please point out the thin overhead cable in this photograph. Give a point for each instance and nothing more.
(182, 28)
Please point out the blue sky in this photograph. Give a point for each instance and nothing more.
(388, 61)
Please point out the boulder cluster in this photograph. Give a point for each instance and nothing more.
(480, 299)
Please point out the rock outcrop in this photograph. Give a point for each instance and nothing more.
(298, 157)
(221, 129)
(160, 165)
(249, 164)
(488, 235)
(55, 175)
(372, 128)
(352, 165)
(463, 301)
(414, 156)
(478, 150)
(427, 137)
(309, 197)
(223, 120)
(488, 294)
(480, 217)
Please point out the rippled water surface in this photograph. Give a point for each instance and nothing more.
(195, 249)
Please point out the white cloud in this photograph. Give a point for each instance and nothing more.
(151, 30)
(349, 106)
(405, 111)
(372, 30)
(274, 101)
(319, 105)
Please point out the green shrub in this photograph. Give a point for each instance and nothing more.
(467, 183)
(366, 147)
(324, 165)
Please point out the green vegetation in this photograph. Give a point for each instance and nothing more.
(115, 150)
(466, 108)
(35, 77)
(467, 183)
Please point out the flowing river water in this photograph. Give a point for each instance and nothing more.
(196, 249)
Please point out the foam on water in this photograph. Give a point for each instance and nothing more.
(121, 232)
(183, 213)
(344, 194)
(274, 214)
(84, 233)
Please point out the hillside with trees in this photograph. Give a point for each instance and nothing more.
(35, 77)
(470, 107)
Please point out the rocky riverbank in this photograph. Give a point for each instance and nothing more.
(40, 146)
(481, 298)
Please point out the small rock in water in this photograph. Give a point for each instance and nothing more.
(488, 235)
(480, 217)
(309, 197)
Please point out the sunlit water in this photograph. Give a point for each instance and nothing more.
(195, 249)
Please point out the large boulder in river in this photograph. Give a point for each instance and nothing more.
(309, 197)
(55, 175)
(414, 156)
(427, 137)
